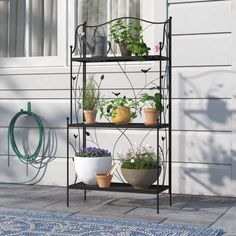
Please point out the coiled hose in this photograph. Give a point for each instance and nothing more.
(28, 159)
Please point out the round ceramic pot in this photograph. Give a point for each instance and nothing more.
(90, 116)
(86, 168)
(123, 115)
(151, 115)
(140, 179)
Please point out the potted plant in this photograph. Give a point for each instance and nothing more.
(129, 38)
(121, 109)
(153, 109)
(91, 161)
(140, 166)
(90, 101)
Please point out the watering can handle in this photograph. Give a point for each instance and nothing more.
(95, 31)
(109, 46)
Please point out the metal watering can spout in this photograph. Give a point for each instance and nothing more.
(100, 46)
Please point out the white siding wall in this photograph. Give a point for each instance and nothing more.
(204, 91)
(204, 39)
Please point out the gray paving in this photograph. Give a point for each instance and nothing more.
(186, 209)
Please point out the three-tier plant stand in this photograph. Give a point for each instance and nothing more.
(162, 129)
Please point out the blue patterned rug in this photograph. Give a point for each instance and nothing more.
(32, 223)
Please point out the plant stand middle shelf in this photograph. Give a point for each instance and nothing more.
(115, 126)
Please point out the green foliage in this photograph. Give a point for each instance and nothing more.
(140, 163)
(130, 36)
(91, 95)
(153, 100)
(108, 107)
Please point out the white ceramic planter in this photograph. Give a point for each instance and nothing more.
(86, 168)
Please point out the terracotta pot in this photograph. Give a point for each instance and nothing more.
(86, 168)
(90, 116)
(124, 50)
(140, 178)
(123, 115)
(104, 180)
(151, 115)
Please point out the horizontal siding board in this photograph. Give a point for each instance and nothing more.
(203, 83)
(211, 114)
(202, 50)
(52, 112)
(202, 179)
(16, 172)
(203, 17)
(188, 147)
(202, 147)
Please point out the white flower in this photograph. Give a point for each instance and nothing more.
(132, 160)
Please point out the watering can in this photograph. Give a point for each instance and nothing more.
(98, 47)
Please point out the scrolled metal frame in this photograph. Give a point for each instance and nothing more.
(165, 89)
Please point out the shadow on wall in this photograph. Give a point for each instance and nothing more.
(208, 113)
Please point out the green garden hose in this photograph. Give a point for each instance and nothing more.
(28, 159)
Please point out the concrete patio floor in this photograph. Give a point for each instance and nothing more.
(186, 210)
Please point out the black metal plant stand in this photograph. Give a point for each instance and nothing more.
(165, 118)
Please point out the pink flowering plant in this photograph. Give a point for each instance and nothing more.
(139, 157)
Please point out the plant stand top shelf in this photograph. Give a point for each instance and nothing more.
(120, 59)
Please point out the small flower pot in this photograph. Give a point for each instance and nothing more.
(104, 180)
(124, 50)
(123, 115)
(90, 116)
(151, 115)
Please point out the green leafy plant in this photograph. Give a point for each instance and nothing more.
(91, 95)
(139, 157)
(108, 107)
(130, 36)
(153, 101)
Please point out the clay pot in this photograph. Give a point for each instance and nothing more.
(140, 178)
(123, 115)
(104, 180)
(124, 50)
(151, 115)
(90, 116)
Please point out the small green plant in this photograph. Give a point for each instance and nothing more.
(91, 95)
(139, 157)
(130, 36)
(108, 107)
(153, 101)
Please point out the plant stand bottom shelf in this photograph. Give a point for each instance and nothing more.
(121, 187)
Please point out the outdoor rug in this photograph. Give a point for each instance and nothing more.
(33, 223)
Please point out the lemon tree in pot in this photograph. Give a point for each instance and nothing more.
(121, 110)
(129, 38)
(140, 166)
(153, 107)
(91, 161)
(91, 100)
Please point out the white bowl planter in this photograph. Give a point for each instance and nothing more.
(86, 168)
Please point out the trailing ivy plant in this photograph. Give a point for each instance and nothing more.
(130, 36)
(108, 107)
